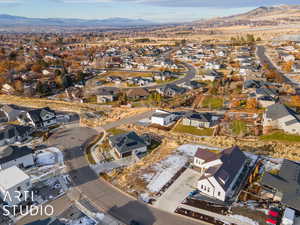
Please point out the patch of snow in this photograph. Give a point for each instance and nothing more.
(244, 219)
(165, 170)
(145, 197)
(100, 216)
(45, 158)
(191, 149)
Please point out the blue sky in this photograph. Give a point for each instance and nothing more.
(155, 10)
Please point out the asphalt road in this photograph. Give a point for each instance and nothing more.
(102, 194)
(128, 120)
(265, 60)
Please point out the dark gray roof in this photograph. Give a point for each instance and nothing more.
(287, 182)
(277, 111)
(232, 160)
(15, 152)
(127, 142)
(266, 91)
(12, 130)
(203, 117)
(175, 88)
(107, 91)
(37, 114)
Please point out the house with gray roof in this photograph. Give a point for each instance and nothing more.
(11, 134)
(127, 144)
(171, 90)
(11, 112)
(200, 120)
(279, 116)
(40, 119)
(21, 157)
(221, 173)
(285, 186)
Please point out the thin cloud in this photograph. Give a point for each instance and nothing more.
(193, 3)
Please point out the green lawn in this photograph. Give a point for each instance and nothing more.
(193, 130)
(238, 127)
(116, 131)
(212, 102)
(281, 136)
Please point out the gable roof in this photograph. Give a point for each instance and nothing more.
(175, 88)
(203, 117)
(287, 182)
(137, 92)
(13, 130)
(232, 160)
(127, 142)
(37, 114)
(277, 111)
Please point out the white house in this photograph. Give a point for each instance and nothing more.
(219, 172)
(162, 118)
(14, 186)
(21, 157)
(279, 116)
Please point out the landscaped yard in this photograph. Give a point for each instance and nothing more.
(212, 102)
(281, 136)
(238, 127)
(193, 130)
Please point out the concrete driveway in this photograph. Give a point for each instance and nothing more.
(178, 191)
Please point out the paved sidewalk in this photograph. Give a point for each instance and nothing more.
(215, 215)
(108, 166)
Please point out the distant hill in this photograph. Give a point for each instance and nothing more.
(17, 21)
(265, 15)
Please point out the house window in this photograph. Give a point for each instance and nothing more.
(219, 193)
(202, 186)
(19, 188)
(208, 189)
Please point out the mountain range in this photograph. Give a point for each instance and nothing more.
(17, 21)
(262, 16)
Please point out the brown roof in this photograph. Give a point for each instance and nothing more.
(137, 92)
(206, 155)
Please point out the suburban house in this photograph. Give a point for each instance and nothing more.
(11, 134)
(279, 116)
(39, 118)
(221, 173)
(105, 95)
(285, 185)
(171, 90)
(11, 112)
(165, 75)
(200, 120)
(192, 85)
(127, 144)
(286, 57)
(211, 75)
(137, 93)
(21, 157)
(163, 118)
(265, 101)
(12, 181)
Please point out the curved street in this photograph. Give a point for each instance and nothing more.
(99, 192)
